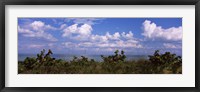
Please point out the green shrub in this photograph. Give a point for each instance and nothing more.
(166, 63)
(115, 58)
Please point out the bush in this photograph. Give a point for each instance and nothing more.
(114, 64)
(115, 58)
(165, 63)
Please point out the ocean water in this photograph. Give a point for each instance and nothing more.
(21, 57)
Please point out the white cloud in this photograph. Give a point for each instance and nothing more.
(128, 35)
(152, 31)
(24, 31)
(132, 41)
(170, 45)
(81, 37)
(83, 30)
(36, 34)
(128, 44)
(100, 44)
(105, 38)
(106, 45)
(98, 38)
(115, 36)
(70, 30)
(39, 25)
(83, 34)
(37, 29)
(49, 27)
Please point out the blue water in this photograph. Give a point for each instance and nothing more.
(21, 57)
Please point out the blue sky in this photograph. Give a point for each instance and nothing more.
(80, 36)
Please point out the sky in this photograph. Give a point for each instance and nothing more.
(95, 36)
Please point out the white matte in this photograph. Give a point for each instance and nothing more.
(187, 79)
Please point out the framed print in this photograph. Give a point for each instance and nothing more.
(105, 45)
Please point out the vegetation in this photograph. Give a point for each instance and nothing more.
(166, 63)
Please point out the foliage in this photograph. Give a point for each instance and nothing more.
(165, 63)
(113, 64)
(115, 58)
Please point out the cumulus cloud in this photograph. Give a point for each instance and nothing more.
(83, 34)
(39, 25)
(70, 30)
(105, 38)
(36, 25)
(37, 29)
(115, 36)
(99, 38)
(152, 31)
(128, 35)
(83, 30)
